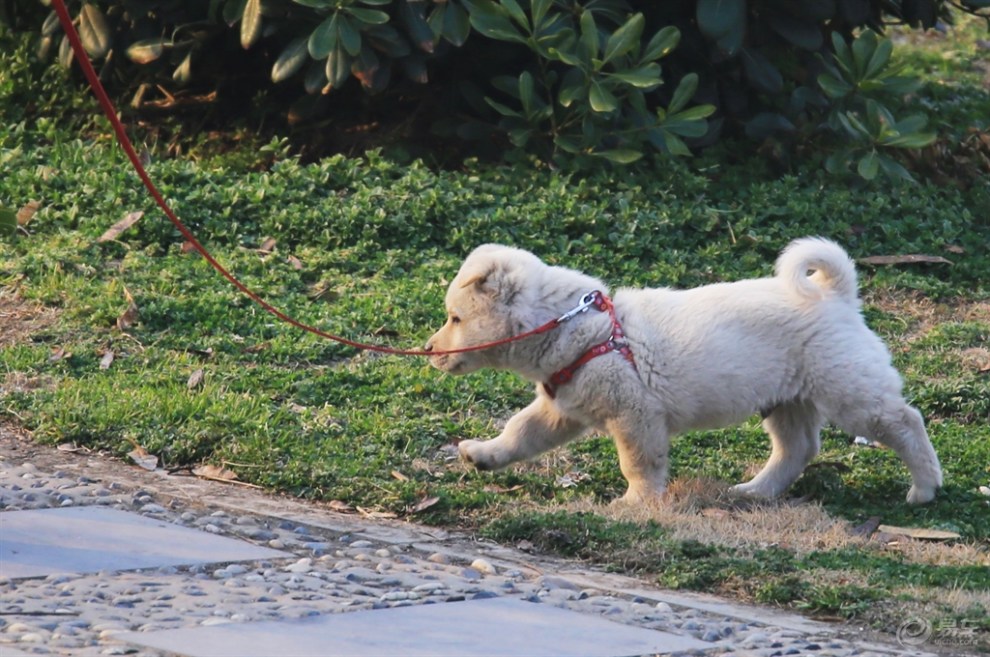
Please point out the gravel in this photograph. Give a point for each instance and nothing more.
(325, 572)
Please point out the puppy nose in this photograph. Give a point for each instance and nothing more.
(428, 346)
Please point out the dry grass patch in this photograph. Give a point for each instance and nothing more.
(20, 319)
(702, 510)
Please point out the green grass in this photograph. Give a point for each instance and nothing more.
(377, 242)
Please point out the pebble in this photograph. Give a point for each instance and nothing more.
(484, 566)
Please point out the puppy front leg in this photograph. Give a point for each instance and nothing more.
(533, 430)
(643, 445)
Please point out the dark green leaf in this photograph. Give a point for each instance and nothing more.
(350, 36)
(868, 166)
(693, 113)
(894, 170)
(863, 49)
(674, 145)
(588, 45)
(504, 110)
(324, 38)
(368, 16)
(457, 25)
(419, 30)
(683, 94)
(619, 155)
(539, 10)
(601, 99)
(625, 38)
(763, 75)
(662, 43)
(717, 18)
(387, 40)
(516, 13)
(767, 124)
(911, 140)
(643, 77)
(338, 67)
(833, 86)
(526, 92)
(805, 34)
(572, 88)
(879, 59)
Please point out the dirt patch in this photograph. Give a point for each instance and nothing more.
(20, 319)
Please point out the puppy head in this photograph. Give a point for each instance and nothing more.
(483, 303)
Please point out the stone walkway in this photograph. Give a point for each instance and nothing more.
(101, 558)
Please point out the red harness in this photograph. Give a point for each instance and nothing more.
(614, 343)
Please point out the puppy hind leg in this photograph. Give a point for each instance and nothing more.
(901, 427)
(535, 429)
(794, 429)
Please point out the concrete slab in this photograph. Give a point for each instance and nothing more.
(89, 539)
(496, 627)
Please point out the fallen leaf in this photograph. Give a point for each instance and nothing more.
(69, 447)
(254, 349)
(214, 472)
(195, 379)
(129, 316)
(25, 214)
(114, 231)
(958, 250)
(340, 507)
(59, 353)
(424, 504)
(718, 514)
(323, 292)
(141, 456)
(188, 247)
(865, 529)
(919, 533)
(492, 488)
(295, 262)
(908, 259)
(267, 246)
(107, 359)
(398, 475)
(376, 514)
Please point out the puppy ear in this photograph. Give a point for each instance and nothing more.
(475, 279)
(496, 282)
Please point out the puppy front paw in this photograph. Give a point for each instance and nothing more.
(477, 454)
(921, 494)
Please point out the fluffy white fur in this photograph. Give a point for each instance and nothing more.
(793, 346)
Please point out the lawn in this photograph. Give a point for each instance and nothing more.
(134, 342)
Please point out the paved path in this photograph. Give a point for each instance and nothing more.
(102, 558)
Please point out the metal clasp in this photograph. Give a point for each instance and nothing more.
(587, 301)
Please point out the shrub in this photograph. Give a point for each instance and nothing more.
(559, 78)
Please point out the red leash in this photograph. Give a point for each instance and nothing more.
(111, 113)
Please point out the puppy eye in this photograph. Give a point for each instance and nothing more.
(454, 319)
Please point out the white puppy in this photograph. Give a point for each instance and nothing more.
(793, 347)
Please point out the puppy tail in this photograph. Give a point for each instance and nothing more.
(815, 267)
